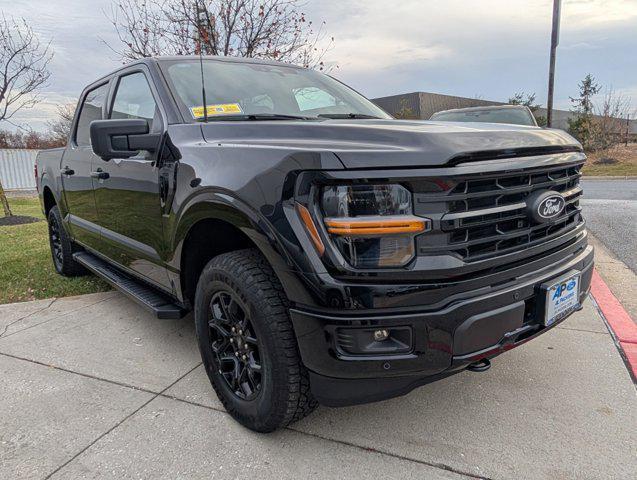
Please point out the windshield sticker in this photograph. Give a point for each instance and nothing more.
(221, 109)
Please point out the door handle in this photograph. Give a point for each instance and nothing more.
(67, 171)
(99, 174)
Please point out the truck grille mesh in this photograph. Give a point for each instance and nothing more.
(485, 216)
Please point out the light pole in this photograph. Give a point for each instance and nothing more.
(555, 39)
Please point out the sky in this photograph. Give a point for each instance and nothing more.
(487, 49)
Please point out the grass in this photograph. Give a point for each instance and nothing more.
(26, 268)
(623, 161)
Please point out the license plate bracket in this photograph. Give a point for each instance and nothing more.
(560, 297)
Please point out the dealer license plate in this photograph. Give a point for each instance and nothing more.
(562, 298)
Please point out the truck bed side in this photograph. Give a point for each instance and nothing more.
(49, 180)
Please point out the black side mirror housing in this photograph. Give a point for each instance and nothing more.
(122, 138)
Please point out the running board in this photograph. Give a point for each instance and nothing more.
(159, 304)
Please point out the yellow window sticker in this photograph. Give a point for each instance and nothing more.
(221, 109)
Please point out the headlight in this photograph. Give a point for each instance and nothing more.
(372, 225)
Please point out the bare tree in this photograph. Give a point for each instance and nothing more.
(610, 119)
(405, 112)
(23, 72)
(60, 128)
(24, 61)
(272, 29)
(5, 202)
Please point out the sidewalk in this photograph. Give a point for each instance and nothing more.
(93, 387)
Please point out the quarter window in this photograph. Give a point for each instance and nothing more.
(90, 110)
(134, 99)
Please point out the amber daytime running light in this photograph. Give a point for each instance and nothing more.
(310, 228)
(375, 225)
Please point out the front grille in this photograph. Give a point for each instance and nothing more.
(484, 216)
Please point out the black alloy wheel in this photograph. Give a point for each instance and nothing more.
(235, 346)
(247, 342)
(56, 242)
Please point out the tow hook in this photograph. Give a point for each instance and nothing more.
(480, 366)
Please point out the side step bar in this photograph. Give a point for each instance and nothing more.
(157, 303)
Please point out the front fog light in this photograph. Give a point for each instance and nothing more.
(372, 225)
(381, 335)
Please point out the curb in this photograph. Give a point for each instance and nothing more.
(609, 177)
(619, 322)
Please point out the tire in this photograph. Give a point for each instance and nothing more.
(62, 248)
(278, 392)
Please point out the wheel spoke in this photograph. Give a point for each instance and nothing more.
(246, 382)
(225, 301)
(220, 346)
(254, 380)
(253, 365)
(234, 344)
(220, 329)
(228, 358)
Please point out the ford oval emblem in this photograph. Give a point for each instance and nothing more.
(545, 205)
(551, 206)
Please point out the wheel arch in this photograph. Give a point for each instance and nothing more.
(48, 200)
(219, 223)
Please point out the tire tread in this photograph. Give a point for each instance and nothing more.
(254, 275)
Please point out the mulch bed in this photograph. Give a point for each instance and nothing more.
(17, 220)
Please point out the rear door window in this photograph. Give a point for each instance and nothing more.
(90, 110)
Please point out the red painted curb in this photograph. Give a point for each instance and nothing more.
(630, 351)
(618, 319)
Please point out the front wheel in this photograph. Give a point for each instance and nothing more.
(247, 343)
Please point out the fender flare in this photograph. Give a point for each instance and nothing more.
(220, 205)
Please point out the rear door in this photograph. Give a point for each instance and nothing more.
(128, 201)
(77, 169)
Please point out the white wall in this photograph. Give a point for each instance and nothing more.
(16, 169)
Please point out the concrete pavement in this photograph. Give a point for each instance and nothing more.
(94, 387)
(610, 210)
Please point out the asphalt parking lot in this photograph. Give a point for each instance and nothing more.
(610, 210)
(94, 387)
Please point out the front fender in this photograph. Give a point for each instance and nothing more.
(219, 205)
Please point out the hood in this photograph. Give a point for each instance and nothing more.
(392, 143)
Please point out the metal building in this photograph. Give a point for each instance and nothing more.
(16, 169)
(422, 105)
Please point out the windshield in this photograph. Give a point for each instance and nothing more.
(238, 90)
(515, 116)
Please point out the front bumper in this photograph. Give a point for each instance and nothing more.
(444, 341)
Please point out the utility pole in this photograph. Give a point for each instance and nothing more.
(555, 39)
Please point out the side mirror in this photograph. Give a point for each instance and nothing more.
(122, 138)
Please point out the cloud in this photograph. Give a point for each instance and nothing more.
(595, 13)
(490, 48)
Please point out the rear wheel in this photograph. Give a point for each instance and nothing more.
(247, 343)
(62, 247)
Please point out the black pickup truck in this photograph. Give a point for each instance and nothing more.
(330, 253)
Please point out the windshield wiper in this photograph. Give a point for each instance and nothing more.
(256, 117)
(345, 115)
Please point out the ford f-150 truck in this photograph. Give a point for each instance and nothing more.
(329, 253)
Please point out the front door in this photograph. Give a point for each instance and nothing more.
(128, 200)
(76, 172)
